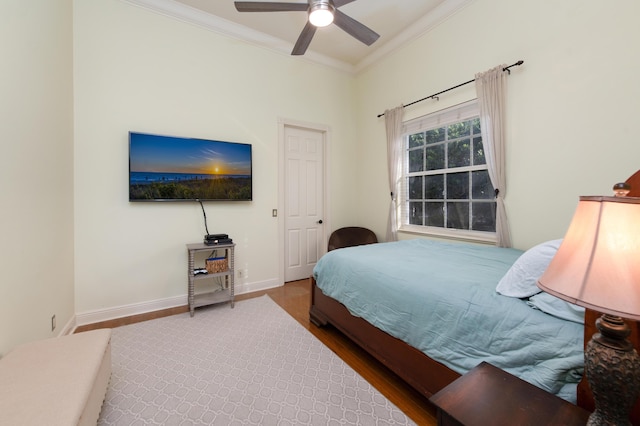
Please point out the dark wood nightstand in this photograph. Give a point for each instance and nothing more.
(488, 395)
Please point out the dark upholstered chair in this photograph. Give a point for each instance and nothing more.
(351, 236)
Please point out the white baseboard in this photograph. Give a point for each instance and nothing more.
(69, 327)
(107, 314)
(244, 288)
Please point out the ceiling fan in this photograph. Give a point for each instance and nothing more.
(321, 13)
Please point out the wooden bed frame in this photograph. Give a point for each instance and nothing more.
(424, 374)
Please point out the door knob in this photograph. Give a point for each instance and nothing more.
(320, 221)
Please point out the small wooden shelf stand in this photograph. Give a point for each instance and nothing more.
(198, 297)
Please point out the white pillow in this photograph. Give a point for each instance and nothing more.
(557, 307)
(522, 278)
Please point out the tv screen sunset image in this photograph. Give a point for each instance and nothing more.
(175, 168)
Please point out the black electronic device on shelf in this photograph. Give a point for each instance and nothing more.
(214, 239)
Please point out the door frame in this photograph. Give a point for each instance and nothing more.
(283, 123)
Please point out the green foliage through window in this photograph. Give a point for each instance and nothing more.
(446, 179)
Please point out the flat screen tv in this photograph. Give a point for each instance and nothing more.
(167, 168)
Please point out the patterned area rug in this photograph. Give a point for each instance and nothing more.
(250, 365)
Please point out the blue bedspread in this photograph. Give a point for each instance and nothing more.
(440, 298)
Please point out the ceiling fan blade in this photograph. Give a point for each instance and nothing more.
(261, 6)
(355, 28)
(304, 40)
(338, 3)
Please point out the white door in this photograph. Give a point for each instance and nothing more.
(304, 200)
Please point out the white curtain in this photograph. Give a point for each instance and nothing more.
(393, 123)
(490, 88)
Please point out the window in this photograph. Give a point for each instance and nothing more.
(446, 188)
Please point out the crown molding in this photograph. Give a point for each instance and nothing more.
(184, 13)
(188, 14)
(425, 24)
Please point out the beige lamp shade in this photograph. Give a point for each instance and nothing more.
(598, 263)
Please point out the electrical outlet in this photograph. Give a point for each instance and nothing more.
(53, 322)
(274, 212)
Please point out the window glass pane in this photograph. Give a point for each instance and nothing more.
(459, 153)
(459, 130)
(458, 215)
(475, 124)
(435, 135)
(416, 140)
(435, 157)
(481, 185)
(435, 214)
(434, 187)
(415, 188)
(478, 152)
(484, 217)
(416, 160)
(447, 182)
(415, 213)
(458, 186)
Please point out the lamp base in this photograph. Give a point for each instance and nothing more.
(612, 367)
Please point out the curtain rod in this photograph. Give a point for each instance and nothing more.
(520, 62)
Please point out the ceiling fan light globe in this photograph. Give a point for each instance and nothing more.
(321, 15)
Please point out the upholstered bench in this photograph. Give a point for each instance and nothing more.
(57, 381)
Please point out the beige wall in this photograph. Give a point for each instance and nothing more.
(36, 169)
(141, 71)
(572, 106)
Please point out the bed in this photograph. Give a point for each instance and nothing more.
(468, 321)
(429, 367)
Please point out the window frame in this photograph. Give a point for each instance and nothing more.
(451, 115)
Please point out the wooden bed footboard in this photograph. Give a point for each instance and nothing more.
(411, 365)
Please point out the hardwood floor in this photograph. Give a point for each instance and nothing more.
(295, 298)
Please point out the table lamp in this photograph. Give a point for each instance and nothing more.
(598, 267)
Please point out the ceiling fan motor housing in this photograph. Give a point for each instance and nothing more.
(321, 12)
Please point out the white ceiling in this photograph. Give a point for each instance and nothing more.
(397, 22)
